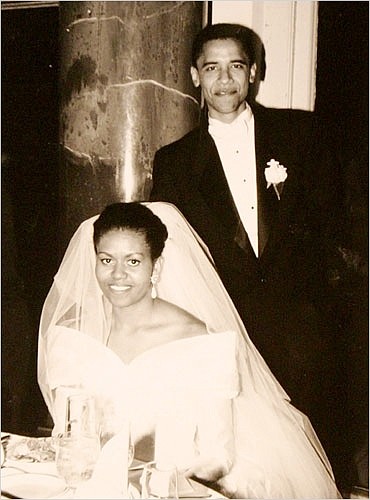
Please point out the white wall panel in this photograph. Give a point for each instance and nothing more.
(288, 30)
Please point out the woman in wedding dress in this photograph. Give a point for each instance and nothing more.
(138, 317)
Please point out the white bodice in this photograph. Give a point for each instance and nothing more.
(185, 386)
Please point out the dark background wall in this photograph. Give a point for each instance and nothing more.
(342, 97)
(30, 190)
(29, 146)
(342, 78)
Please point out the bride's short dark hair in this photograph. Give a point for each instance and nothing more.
(136, 217)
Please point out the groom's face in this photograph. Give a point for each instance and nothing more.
(224, 74)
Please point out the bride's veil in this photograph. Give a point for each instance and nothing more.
(188, 279)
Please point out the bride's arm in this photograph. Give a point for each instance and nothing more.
(216, 387)
(214, 439)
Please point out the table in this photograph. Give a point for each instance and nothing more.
(39, 479)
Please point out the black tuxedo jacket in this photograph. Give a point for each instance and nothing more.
(284, 295)
(295, 233)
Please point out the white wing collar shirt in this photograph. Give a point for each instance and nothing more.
(235, 145)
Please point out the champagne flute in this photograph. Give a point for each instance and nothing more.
(78, 447)
(80, 414)
(76, 455)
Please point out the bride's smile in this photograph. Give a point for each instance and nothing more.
(124, 267)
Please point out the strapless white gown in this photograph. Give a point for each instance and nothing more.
(190, 388)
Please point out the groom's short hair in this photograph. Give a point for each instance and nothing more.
(246, 37)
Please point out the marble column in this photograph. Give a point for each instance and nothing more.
(125, 92)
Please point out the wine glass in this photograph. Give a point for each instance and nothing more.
(159, 480)
(75, 457)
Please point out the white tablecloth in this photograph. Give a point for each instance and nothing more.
(40, 480)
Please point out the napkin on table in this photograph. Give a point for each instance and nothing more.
(110, 477)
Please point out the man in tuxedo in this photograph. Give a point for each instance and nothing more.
(262, 189)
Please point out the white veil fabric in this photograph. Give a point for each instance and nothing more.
(277, 453)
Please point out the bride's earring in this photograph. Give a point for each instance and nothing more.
(153, 281)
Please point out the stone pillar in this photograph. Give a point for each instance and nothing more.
(125, 92)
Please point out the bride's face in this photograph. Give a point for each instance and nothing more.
(124, 267)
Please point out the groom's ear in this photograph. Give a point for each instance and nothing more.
(252, 73)
(195, 76)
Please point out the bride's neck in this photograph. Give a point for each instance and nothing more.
(131, 319)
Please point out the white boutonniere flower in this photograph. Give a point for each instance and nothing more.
(275, 176)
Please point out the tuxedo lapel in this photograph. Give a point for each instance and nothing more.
(268, 203)
(213, 184)
(215, 191)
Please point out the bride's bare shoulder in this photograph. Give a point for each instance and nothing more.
(181, 322)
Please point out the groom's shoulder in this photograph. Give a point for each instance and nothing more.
(283, 116)
(183, 143)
